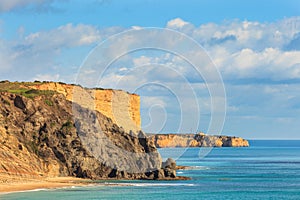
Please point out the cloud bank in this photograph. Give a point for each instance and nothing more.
(259, 62)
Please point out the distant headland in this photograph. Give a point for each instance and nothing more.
(196, 140)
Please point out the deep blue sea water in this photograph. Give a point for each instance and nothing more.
(266, 170)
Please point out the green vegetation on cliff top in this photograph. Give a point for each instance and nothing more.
(22, 88)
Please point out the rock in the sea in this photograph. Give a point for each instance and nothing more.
(169, 163)
(169, 173)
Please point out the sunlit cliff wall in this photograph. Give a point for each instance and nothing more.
(122, 107)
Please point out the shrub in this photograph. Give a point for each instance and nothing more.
(67, 126)
(52, 124)
(49, 102)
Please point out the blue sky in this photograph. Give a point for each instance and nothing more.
(255, 45)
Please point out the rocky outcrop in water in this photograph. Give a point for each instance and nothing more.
(196, 140)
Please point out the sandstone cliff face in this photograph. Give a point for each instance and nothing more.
(122, 107)
(40, 136)
(196, 140)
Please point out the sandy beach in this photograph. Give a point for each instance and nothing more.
(15, 184)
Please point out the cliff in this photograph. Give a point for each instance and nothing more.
(196, 140)
(42, 134)
(120, 106)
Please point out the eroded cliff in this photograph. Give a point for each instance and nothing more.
(43, 134)
(196, 140)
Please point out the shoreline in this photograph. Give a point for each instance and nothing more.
(10, 185)
(26, 185)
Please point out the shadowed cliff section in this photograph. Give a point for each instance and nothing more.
(41, 137)
(196, 140)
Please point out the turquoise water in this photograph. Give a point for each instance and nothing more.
(266, 170)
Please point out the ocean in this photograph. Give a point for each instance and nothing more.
(269, 169)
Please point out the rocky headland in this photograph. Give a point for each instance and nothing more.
(196, 140)
(43, 134)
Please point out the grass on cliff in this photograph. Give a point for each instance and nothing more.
(23, 89)
(17, 85)
(31, 93)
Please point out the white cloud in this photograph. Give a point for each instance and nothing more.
(181, 25)
(236, 35)
(142, 60)
(270, 63)
(44, 52)
(240, 49)
(247, 49)
(148, 101)
(137, 27)
(176, 23)
(122, 69)
(68, 35)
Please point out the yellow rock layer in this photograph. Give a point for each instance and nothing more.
(122, 107)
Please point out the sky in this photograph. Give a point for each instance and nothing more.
(252, 49)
